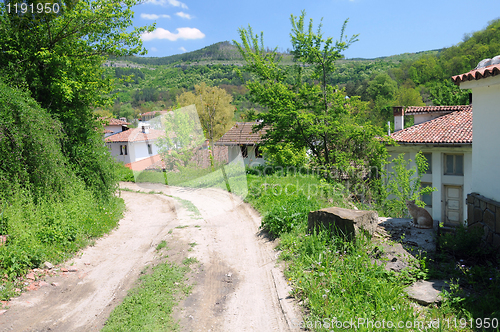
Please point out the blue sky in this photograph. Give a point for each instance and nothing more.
(385, 27)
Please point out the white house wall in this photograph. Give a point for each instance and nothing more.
(235, 151)
(485, 154)
(114, 149)
(437, 178)
(140, 149)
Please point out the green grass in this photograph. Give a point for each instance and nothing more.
(149, 306)
(161, 245)
(337, 280)
(50, 230)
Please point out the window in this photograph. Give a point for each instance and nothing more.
(121, 149)
(427, 198)
(125, 150)
(244, 151)
(150, 149)
(258, 154)
(454, 164)
(428, 156)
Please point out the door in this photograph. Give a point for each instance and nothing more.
(453, 205)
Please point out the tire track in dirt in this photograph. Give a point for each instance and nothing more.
(229, 243)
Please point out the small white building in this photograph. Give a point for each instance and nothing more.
(242, 140)
(113, 126)
(483, 199)
(444, 135)
(134, 144)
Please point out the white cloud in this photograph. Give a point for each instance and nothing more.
(182, 49)
(153, 49)
(153, 16)
(183, 15)
(182, 33)
(167, 3)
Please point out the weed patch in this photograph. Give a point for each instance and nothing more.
(149, 306)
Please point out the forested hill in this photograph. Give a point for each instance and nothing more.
(222, 51)
(399, 80)
(227, 52)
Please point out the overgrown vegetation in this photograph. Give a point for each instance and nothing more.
(57, 179)
(337, 280)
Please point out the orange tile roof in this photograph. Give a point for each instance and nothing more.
(241, 133)
(452, 128)
(413, 110)
(114, 122)
(477, 74)
(135, 135)
(144, 163)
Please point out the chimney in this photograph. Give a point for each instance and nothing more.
(145, 129)
(399, 114)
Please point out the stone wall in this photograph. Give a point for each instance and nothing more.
(484, 212)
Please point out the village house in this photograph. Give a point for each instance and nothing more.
(113, 126)
(483, 196)
(134, 144)
(444, 135)
(242, 141)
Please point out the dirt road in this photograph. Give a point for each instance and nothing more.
(237, 285)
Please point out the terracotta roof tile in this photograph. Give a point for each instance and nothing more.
(114, 122)
(452, 128)
(144, 163)
(477, 74)
(412, 110)
(241, 133)
(135, 135)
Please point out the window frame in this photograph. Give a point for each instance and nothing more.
(445, 164)
(424, 185)
(244, 151)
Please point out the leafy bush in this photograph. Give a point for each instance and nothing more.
(288, 212)
(404, 184)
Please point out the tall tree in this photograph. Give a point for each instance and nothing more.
(304, 109)
(58, 57)
(214, 109)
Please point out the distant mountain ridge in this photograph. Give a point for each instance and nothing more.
(227, 52)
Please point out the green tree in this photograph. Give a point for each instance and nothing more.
(404, 184)
(408, 95)
(214, 109)
(58, 58)
(303, 109)
(183, 134)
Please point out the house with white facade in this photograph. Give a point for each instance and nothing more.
(242, 140)
(113, 126)
(134, 144)
(483, 198)
(444, 135)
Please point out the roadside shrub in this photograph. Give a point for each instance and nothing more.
(287, 213)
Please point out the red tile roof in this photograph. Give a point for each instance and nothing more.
(135, 135)
(114, 122)
(477, 74)
(241, 133)
(453, 128)
(413, 110)
(144, 163)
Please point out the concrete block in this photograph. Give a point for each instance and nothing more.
(345, 221)
(482, 205)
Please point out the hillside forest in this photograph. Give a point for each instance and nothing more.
(147, 84)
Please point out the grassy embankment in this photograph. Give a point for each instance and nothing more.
(338, 281)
